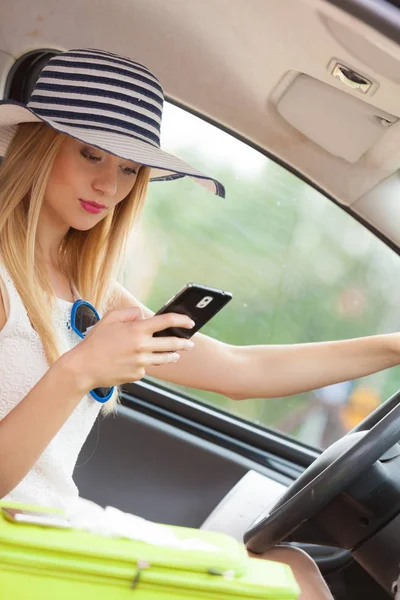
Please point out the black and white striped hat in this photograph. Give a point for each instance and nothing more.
(106, 101)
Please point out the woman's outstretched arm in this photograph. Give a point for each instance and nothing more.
(270, 371)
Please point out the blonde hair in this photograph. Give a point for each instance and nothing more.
(23, 180)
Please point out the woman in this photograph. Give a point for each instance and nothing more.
(77, 163)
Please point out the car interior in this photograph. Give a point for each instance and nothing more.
(295, 106)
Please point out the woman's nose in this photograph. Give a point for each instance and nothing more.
(106, 182)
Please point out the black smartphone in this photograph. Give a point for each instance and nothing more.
(199, 302)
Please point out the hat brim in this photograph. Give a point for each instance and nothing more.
(164, 166)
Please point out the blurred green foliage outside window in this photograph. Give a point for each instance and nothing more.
(300, 270)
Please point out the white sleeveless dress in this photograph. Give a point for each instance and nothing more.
(22, 364)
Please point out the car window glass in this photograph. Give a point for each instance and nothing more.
(300, 270)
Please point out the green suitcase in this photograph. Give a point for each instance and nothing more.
(72, 564)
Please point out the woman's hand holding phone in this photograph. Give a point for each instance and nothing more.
(120, 347)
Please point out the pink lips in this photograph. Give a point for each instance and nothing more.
(92, 207)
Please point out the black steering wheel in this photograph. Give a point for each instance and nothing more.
(329, 475)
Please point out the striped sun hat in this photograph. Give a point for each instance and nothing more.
(106, 101)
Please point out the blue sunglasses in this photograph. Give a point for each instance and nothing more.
(83, 317)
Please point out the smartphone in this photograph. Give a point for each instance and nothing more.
(33, 517)
(200, 302)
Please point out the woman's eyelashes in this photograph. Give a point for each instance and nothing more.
(128, 170)
(90, 157)
(95, 159)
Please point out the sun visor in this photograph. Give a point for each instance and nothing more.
(340, 123)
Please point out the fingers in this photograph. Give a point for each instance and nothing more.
(161, 322)
(159, 358)
(161, 351)
(150, 325)
(168, 344)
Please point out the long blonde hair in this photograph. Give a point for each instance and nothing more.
(91, 259)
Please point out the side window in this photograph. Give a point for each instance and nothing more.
(300, 270)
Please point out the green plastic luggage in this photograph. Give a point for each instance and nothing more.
(50, 562)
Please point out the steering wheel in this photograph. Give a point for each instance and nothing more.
(329, 475)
